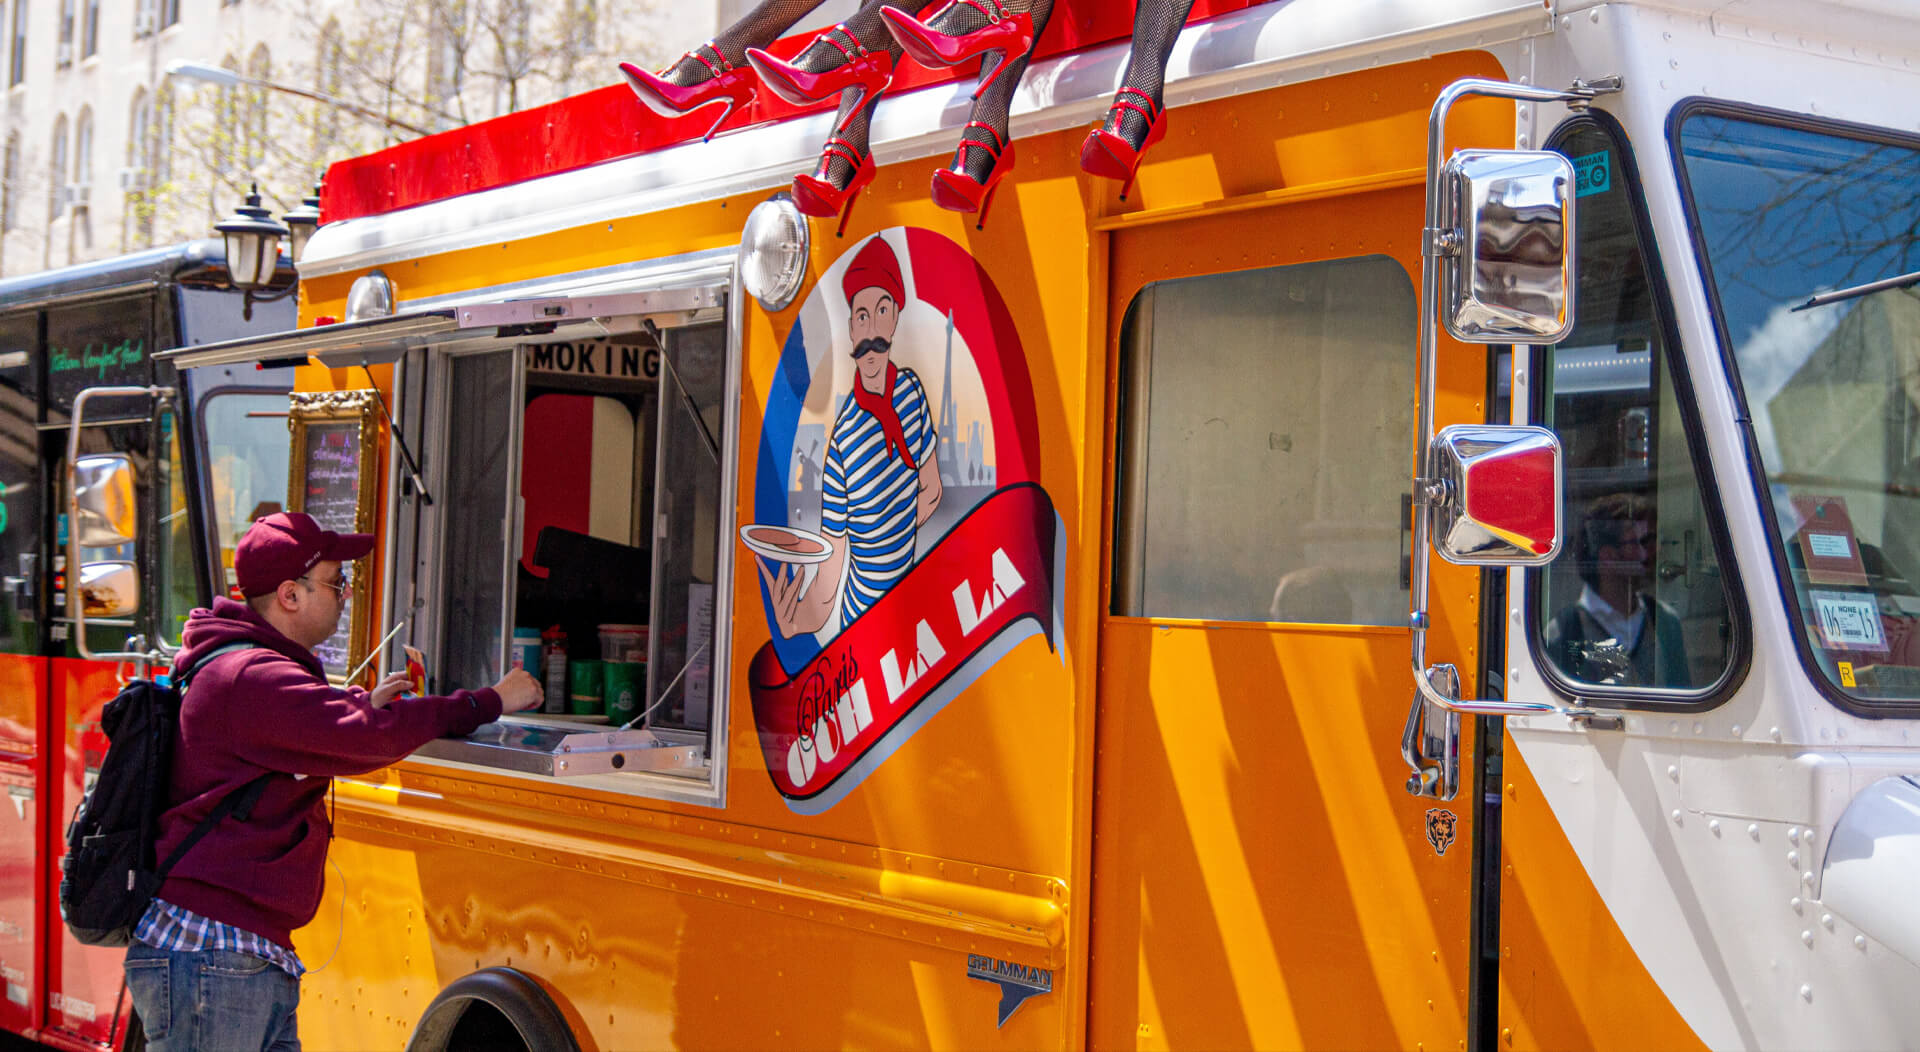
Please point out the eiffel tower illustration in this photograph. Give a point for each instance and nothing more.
(949, 418)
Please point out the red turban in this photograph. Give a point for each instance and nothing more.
(876, 267)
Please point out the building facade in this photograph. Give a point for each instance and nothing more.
(105, 152)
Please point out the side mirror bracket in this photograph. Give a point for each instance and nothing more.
(1498, 224)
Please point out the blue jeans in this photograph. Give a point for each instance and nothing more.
(212, 1001)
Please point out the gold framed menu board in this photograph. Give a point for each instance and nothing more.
(332, 479)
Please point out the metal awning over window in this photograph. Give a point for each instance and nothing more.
(474, 326)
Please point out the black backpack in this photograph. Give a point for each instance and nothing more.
(109, 877)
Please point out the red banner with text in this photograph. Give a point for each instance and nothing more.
(986, 586)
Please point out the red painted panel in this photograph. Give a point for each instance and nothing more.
(23, 688)
(84, 982)
(607, 123)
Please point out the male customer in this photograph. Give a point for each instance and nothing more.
(212, 965)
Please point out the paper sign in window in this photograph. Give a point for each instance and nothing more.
(1848, 621)
(1829, 545)
(1828, 548)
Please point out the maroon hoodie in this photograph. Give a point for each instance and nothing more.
(270, 708)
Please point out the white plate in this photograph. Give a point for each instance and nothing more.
(761, 540)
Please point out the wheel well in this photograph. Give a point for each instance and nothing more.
(494, 1008)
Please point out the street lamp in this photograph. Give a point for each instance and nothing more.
(226, 78)
(253, 238)
(301, 223)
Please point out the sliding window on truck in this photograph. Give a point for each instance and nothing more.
(576, 532)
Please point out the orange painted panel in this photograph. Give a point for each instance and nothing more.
(1263, 878)
(1568, 977)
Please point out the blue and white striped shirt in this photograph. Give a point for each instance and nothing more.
(869, 496)
(168, 927)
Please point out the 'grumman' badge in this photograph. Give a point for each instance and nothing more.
(1017, 982)
(1440, 823)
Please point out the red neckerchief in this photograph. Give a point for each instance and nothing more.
(881, 406)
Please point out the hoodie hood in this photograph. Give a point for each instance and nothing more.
(231, 621)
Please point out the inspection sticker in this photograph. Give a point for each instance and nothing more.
(1846, 675)
(1829, 545)
(1592, 174)
(1848, 621)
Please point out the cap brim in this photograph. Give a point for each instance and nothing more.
(346, 547)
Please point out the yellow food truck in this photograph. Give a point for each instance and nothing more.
(1147, 717)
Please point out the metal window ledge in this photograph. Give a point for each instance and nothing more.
(475, 326)
(565, 752)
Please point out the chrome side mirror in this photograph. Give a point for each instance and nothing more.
(1506, 217)
(110, 588)
(106, 513)
(1498, 499)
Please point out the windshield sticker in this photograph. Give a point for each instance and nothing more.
(1829, 545)
(902, 543)
(1848, 621)
(1592, 174)
(1846, 674)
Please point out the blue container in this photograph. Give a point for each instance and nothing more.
(526, 651)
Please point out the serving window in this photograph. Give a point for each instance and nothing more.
(577, 509)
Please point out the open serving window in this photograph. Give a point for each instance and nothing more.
(566, 516)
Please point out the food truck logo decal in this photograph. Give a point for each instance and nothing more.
(901, 542)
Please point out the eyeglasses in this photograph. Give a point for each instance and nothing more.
(339, 588)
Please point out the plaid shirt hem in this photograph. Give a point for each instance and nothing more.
(168, 927)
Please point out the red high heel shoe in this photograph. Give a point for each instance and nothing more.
(730, 84)
(1006, 33)
(955, 191)
(815, 195)
(865, 70)
(1108, 154)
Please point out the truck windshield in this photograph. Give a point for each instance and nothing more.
(1832, 392)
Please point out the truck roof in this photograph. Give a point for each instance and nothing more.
(201, 263)
(608, 123)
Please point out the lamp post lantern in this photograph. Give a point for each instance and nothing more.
(301, 223)
(252, 237)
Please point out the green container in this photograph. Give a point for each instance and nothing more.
(626, 681)
(585, 692)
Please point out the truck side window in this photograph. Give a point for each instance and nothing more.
(1264, 437)
(1637, 599)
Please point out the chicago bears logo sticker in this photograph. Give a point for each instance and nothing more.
(1440, 824)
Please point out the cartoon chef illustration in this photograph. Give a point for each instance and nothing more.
(881, 480)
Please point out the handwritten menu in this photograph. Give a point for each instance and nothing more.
(331, 494)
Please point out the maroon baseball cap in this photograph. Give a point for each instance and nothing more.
(285, 545)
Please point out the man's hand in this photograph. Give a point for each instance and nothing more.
(518, 691)
(388, 689)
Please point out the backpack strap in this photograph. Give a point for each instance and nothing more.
(180, 681)
(238, 803)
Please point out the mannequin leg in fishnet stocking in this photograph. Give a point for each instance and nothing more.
(870, 31)
(1156, 26)
(987, 125)
(759, 27)
(1137, 118)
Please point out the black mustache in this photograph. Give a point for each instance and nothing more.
(871, 345)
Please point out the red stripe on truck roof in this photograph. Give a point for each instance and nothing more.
(609, 123)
